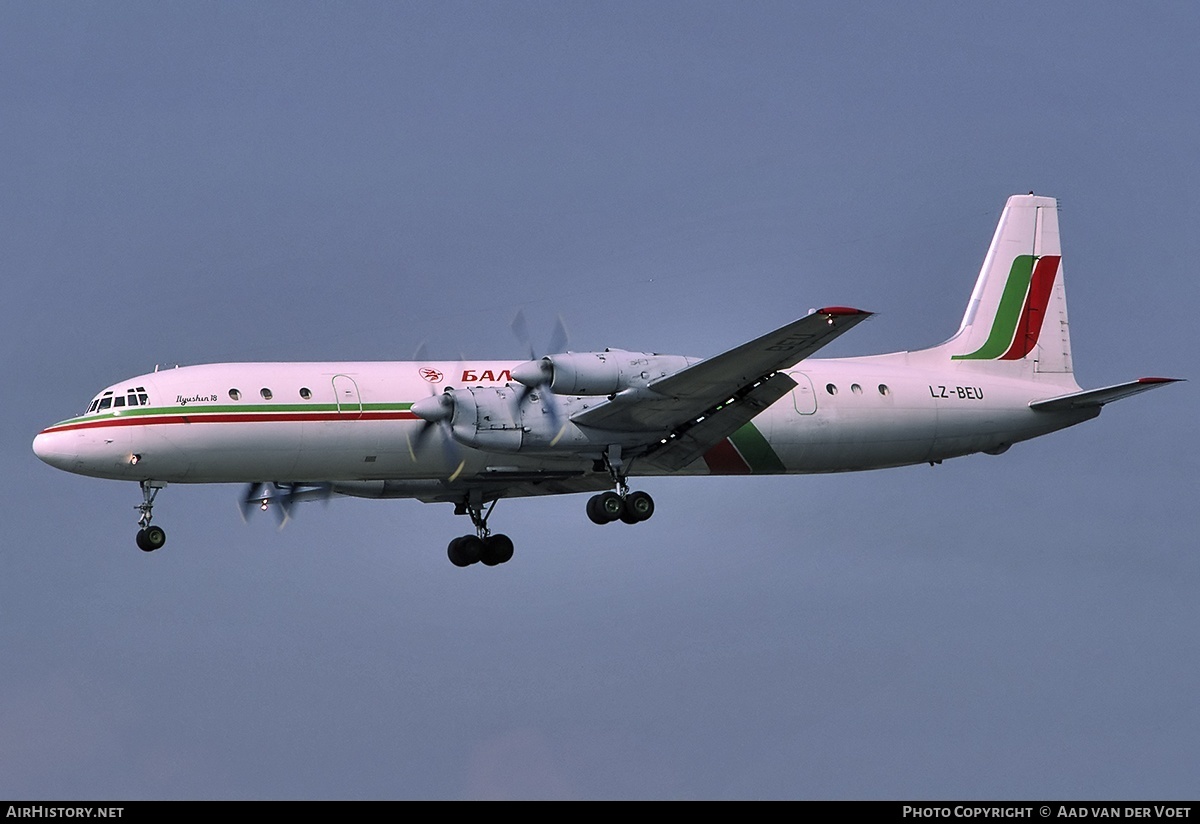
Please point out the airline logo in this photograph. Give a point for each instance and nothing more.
(1018, 321)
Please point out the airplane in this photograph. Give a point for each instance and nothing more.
(471, 433)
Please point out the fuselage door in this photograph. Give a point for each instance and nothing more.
(803, 396)
(345, 391)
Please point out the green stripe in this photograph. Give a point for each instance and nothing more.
(197, 409)
(756, 451)
(1004, 326)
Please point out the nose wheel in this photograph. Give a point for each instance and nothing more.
(149, 538)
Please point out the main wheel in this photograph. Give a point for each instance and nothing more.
(455, 555)
(151, 538)
(465, 551)
(639, 506)
(497, 549)
(605, 507)
(593, 513)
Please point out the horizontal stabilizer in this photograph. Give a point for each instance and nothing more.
(1099, 397)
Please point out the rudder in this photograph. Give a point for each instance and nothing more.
(1018, 309)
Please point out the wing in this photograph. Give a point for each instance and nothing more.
(704, 389)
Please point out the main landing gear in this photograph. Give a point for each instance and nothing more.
(483, 546)
(619, 504)
(630, 508)
(149, 538)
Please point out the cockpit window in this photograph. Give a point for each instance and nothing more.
(135, 396)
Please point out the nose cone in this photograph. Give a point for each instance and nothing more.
(434, 408)
(534, 373)
(50, 448)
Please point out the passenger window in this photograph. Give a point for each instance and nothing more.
(235, 395)
(856, 389)
(266, 394)
(831, 389)
(305, 393)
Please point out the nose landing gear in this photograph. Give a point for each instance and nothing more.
(149, 538)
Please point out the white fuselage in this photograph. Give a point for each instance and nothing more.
(348, 422)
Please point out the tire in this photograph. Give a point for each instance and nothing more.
(497, 549)
(151, 538)
(455, 554)
(593, 512)
(639, 506)
(609, 506)
(470, 548)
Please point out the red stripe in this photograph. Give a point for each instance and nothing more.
(248, 417)
(1041, 284)
(840, 310)
(724, 459)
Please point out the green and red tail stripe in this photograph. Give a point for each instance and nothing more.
(1018, 321)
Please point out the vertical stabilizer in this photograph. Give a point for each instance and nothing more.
(1018, 310)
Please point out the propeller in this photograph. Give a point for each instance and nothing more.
(537, 374)
(282, 496)
(252, 497)
(437, 411)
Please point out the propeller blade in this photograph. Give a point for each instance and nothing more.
(520, 328)
(283, 504)
(251, 498)
(558, 338)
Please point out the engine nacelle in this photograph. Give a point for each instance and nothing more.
(510, 419)
(487, 418)
(597, 373)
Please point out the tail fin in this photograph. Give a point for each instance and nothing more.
(1018, 310)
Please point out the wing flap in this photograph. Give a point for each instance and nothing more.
(691, 441)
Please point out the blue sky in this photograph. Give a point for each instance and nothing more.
(210, 182)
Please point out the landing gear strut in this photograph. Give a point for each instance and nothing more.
(149, 538)
(619, 504)
(492, 550)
